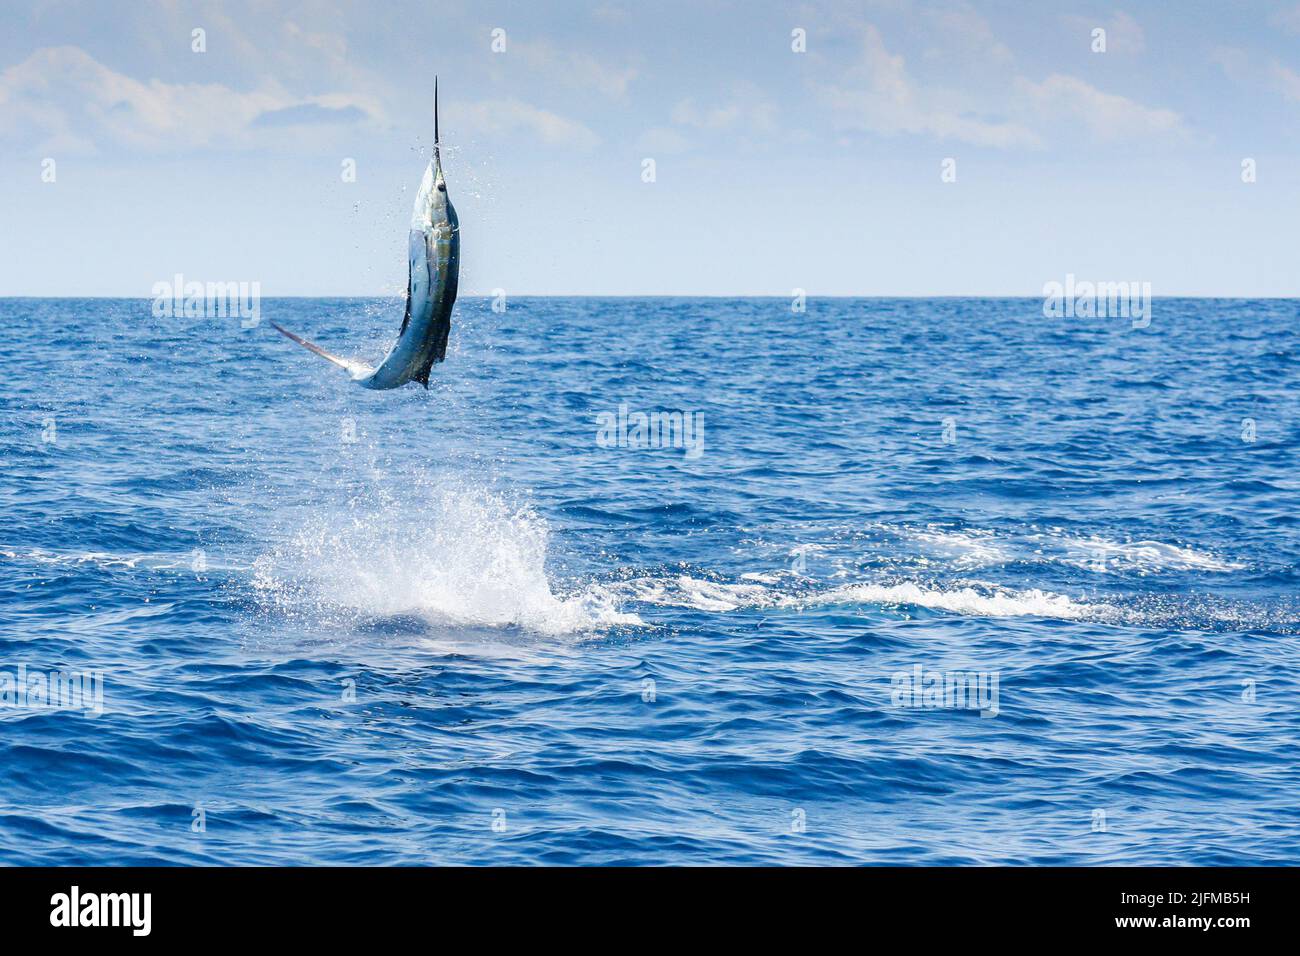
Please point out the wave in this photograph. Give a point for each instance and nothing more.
(978, 599)
(1143, 557)
(965, 549)
(194, 562)
(448, 553)
(985, 601)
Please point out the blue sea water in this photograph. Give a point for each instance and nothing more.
(464, 626)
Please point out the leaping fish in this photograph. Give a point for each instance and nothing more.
(430, 287)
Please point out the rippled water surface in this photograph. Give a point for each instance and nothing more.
(455, 626)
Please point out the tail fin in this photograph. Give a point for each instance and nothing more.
(355, 368)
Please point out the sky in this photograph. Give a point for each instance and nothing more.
(954, 147)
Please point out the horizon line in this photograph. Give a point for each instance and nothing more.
(675, 295)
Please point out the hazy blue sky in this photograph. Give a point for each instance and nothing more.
(775, 169)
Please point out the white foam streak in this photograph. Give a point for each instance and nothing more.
(1144, 557)
(686, 591)
(990, 602)
(983, 601)
(966, 549)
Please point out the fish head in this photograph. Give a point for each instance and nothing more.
(441, 201)
(439, 211)
(432, 205)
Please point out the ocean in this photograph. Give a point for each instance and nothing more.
(652, 581)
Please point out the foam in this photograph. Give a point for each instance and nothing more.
(987, 601)
(1145, 557)
(984, 600)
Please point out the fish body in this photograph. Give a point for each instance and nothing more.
(433, 273)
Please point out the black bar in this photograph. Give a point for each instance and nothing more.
(333, 906)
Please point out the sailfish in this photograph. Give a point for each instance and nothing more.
(434, 253)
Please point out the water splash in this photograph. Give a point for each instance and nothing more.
(448, 554)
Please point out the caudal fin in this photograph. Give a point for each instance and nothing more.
(353, 367)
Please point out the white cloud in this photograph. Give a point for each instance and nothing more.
(502, 116)
(1234, 63)
(332, 45)
(879, 96)
(609, 13)
(741, 112)
(1251, 72)
(962, 23)
(662, 140)
(744, 109)
(574, 68)
(62, 98)
(1285, 80)
(1106, 115)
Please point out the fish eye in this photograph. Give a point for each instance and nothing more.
(442, 187)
